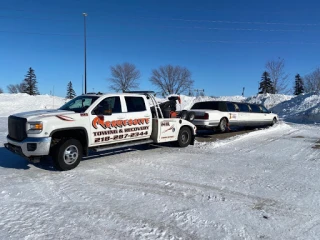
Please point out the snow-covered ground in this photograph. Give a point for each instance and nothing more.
(260, 185)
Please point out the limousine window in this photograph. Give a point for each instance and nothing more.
(255, 108)
(264, 110)
(243, 107)
(231, 107)
(206, 105)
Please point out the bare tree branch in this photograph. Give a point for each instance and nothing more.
(124, 77)
(277, 75)
(172, 79)
(15, 88)
(312, 81)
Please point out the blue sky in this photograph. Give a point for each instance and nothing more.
(225, 44)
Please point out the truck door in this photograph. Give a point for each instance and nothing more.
(139, 117)
(107, 122)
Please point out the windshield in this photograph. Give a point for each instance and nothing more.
(79, 104)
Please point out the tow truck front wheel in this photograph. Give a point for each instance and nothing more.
(184, 137)
(67, 155)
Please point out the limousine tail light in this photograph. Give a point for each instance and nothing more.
(205, 116)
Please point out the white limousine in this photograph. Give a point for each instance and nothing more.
(220, 115)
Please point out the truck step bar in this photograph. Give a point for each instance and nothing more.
(121, 145)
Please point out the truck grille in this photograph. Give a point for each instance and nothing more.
(17, 128)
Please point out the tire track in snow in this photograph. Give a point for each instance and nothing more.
(46, 220)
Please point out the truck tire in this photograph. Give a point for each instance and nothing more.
(223, 125)
(191, 116)
(184, 137)
(183, 114)
(67, 155)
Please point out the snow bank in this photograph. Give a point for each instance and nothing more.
(21, 102)
(269, 100)
(304, 108)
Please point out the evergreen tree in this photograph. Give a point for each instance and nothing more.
(30, 83)
(70, 92)
(1, 91)
(299, 85)
(266, 85)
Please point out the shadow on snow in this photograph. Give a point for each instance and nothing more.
(11, 160)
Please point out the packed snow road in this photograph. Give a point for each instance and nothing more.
(260, 185)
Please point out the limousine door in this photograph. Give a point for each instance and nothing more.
(257, 117)
(267, 117)
(244, 115)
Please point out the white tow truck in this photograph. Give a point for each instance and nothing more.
(94, 122)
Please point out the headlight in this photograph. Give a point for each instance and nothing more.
(35, 127)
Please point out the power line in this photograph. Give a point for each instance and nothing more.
(177, 40)
(248, 29)
(197, 27)
(234, 10)
(186, 20)
(46, 34)
(241, 22)
(32, 18)
(253, 42)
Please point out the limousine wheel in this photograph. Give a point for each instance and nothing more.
(223, 125)
(191, 116)
(183, 114)
(274, 121)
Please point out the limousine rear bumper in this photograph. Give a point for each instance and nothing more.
(205, 123)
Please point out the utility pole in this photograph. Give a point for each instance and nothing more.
(85, 52)
(243, 91)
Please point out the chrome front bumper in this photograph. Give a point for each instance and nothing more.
(30, 146)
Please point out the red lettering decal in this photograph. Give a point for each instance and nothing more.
(135, 122)
(98, 121)
(124, 123)
(119, 123)
(107, 124)
(130, 122)
(147, 120)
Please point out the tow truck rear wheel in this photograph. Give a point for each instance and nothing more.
(67, 154)
(184, 137)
